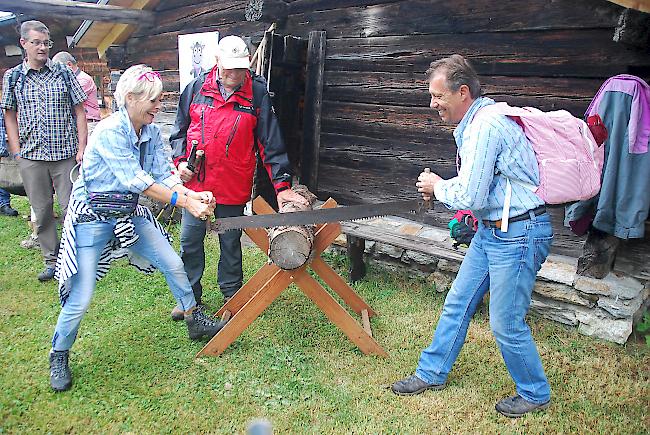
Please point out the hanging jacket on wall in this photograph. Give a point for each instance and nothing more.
(621, 208)
(230, 132)
(639, 125)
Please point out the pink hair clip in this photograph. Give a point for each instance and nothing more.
(150, 76)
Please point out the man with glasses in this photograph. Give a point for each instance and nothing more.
(46, 131)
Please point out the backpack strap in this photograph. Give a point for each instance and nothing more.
(13, 79)
(65, 72)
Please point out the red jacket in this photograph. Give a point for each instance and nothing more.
(227, 132)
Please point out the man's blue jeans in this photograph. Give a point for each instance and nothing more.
(91, 237)
(5, 197)
(506, 264)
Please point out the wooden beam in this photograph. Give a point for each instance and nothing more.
(639, 5)
(120, 31)
(313, 105)
(74, 10)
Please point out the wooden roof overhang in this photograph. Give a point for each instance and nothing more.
(101, 35)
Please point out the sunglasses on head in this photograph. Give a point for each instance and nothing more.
(149, 76)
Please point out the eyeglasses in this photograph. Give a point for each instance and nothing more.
(47, 43)
(150, 76)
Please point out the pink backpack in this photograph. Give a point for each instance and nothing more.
(570, 161)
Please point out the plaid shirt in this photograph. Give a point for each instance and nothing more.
(47, 129)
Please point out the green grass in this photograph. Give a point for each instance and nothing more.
(134, 369)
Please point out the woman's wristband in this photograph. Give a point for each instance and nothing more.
(174, 198)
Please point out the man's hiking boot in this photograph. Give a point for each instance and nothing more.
(413, 385)
(517, 406)
(60, 375)
(201, 325)
(46, 275)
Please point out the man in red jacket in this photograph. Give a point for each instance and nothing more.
(228, 112)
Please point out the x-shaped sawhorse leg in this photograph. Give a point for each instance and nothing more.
(269, 281)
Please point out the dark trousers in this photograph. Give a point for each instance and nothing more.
(229, 272)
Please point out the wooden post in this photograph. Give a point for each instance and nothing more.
(312, 115)
(355, 247)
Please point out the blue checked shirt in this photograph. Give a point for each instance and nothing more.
(491, 150)
(112, 159)
(47, 129)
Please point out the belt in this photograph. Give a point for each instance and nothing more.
(522, 217)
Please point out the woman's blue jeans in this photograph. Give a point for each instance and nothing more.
(506, 264)
(91, 237)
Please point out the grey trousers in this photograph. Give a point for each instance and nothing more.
(42, 179)
(229, 271)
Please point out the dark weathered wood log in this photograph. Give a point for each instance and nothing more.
(633, 28)
(77, 10)
(216, 15)
(553, 53)
(291, 247)
(460, 16)
(411, 89)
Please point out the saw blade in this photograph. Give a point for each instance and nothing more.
(319, 216)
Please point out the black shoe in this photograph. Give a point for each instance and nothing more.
(60, 375)
(413, 385)
(8, 211)
(201, 325)
(46, 275)
(516, 406)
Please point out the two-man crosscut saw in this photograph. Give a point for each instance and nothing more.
(321, 216)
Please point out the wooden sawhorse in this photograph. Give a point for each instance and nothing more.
(269, 281)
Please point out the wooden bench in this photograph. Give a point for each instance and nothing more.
(358, 232)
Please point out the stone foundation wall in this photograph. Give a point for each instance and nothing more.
(607, 308)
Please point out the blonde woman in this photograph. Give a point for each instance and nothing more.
(125, 157)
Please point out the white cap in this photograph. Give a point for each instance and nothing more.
(233, 53)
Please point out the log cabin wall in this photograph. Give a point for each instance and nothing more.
(377, 129)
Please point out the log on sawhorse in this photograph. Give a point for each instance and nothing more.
(270, 281)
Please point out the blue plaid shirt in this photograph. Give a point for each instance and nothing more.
(112, 159)
(47, 129)
(491, 150)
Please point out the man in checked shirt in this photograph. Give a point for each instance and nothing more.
(493, 149)
(46, 131)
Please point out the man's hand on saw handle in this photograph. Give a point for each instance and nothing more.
(426, 183)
